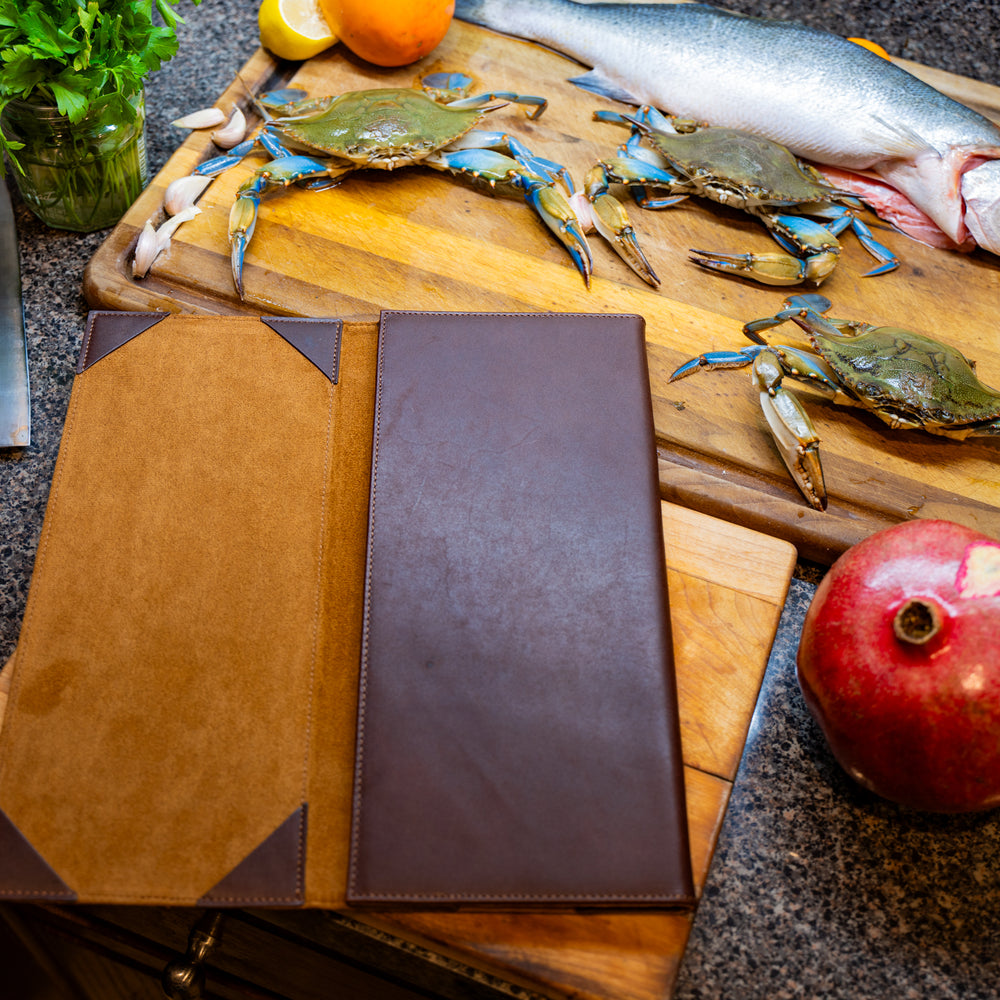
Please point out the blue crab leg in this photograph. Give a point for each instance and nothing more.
(609, 216)
(557, 213)
(453, 89)
(805, 308)
(220, 164)
(540, 191)
(291, 103)
(842, 218)
(243, 214)
(787, 420)
(539, 104)
(798, 234)
(641, 169)
(717, 359)
(282, 98)
(798, 364)
(794, 233)
(446, 86)
(481, 139)
(767, 268)
(889, 260)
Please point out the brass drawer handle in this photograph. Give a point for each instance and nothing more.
(184, 978)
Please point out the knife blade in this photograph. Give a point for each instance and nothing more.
(15, 404)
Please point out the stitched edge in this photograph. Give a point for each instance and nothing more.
(83, 361)
(352, 868)
(513, 897)
(338, 325)
(320, 562)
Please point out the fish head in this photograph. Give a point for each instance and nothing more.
(981, 194)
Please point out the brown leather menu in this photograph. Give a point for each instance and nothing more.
(227, 545)
(518, 738)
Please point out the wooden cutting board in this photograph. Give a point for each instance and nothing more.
(420, 240)
(727, 586)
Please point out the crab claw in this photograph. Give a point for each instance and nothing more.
(769, 268)
(612, 222)
(889, 261)
(242, 219)
(243, 214)
(791, 428)
(608, 216)
(556, 212)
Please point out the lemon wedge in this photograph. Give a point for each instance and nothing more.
(293, 29)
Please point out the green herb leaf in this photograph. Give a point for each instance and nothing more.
(75, 54)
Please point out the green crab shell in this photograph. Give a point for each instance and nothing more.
(378, 128)
(755, 169)
(899, 371)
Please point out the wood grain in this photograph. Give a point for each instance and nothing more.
(415, 239)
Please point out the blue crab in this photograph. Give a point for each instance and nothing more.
(317, 142)
(734, 168)
(909, 381)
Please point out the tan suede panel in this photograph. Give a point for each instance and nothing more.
(158, 724)
(331, 768)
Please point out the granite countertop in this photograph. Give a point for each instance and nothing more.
(818, 889)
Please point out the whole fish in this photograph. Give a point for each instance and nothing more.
(827, 99)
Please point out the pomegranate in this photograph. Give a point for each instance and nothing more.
(899, 663)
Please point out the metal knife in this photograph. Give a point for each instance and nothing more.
(15, 406)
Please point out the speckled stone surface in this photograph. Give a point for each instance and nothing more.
(817, 889)
(959, 37)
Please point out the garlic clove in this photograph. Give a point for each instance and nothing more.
(169, 227)
(146, 251)
(234, 131)
(152, 242)
(182, 192)
(206, 118)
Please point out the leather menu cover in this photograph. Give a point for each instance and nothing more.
(518, 738)
(192, 631)
(217, 567)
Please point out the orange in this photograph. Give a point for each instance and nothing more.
(389, 32)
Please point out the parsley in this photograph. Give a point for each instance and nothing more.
(81, 54)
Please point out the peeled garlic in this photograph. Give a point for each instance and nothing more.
(145, 251)
(170, 226)
(182, 192)
(206, 118)
(152, 242)
(233, 132)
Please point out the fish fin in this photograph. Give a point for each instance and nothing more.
(597, 83)
(905, 141)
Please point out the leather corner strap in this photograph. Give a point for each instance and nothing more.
(317, 339)
(271, 875)
(108, 330)
(24, 873)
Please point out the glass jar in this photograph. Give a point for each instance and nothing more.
(84, 175)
